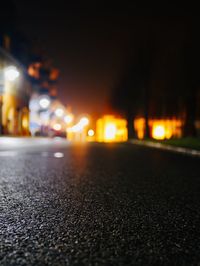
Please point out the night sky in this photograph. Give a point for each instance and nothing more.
(91, 43)
(88, 43)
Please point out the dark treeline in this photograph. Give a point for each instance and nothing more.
(162, 76)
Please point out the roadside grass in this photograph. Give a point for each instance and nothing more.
(189, 142)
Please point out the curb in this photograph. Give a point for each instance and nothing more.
(180, 150)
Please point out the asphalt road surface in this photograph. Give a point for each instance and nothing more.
(97, 204)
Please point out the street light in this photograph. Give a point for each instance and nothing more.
(68, 119)
(59, 112)
(44, 102)
(11, 73)
(91, 133)
(159, 132)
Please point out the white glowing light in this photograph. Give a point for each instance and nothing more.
(76, 128)
(59, 112)
(84, 121)
(91, 132)
(158, 132)
(57, 127)
(11, 73)
(68, 119)
(44, 102)
(110, 131)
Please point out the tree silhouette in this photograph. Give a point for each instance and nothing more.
(162, 77)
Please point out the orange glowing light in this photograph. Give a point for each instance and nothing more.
(34, 70)
(159, 128)
(54, 74)
(25, 122)
(78, 132)
(139, 126)
(111, 129)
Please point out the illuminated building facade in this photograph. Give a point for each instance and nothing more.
(160, 129)
(15, 90)
(111, 129)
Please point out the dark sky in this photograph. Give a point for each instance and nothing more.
(89, 43)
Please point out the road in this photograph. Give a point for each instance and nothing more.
(97, 204)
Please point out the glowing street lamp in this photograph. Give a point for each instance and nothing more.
(59, 112)
(159, 132)
(11, 73)
(90, 132)
(44, 102)
(68, 119)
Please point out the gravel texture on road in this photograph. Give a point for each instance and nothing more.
(99, 204)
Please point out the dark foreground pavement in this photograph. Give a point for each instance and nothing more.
(98, 204)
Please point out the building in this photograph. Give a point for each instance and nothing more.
(15, 89)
